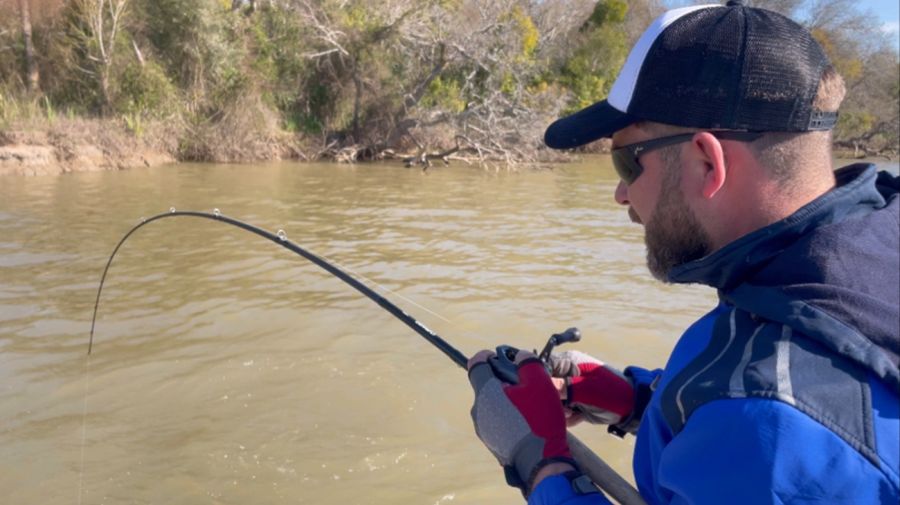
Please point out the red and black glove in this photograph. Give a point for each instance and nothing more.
(596, 392)
(523, 425)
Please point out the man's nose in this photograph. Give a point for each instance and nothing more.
(622, 193)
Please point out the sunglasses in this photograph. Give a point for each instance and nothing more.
(625, 158)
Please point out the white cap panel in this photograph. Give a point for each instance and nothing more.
(623, 89)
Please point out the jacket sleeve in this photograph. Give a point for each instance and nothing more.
(761, 452)
(557, 490)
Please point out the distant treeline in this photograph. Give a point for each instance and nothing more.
(364, 79)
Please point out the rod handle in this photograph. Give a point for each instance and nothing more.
(602, 474)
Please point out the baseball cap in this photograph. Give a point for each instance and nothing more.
(728, 67)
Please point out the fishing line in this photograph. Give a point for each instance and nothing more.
(84, 406)
(383, 288)
(591, 464)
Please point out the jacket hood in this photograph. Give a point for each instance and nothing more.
(831, 270)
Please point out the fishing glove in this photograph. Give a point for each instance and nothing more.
(597, 392)
(523, 425)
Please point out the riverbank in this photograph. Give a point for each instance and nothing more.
(77, 145)
(41, 146)
(58, 146)
(63, 145)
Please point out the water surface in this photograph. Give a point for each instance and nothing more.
(229, 371)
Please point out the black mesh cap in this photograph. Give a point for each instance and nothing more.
(717, 67)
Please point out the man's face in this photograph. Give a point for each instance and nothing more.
(673, 235)
(672, 232)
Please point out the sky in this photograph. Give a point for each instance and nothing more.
(888, 12)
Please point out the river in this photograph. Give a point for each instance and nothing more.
(226, 370)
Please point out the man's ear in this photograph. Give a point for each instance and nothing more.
(711, 157)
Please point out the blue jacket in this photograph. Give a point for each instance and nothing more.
(787, 391)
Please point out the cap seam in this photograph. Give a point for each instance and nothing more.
(742, 84)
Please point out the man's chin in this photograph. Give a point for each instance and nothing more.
(657, 269)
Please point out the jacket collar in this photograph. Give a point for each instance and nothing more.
(738, 260)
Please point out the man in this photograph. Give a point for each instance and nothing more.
(787, 391)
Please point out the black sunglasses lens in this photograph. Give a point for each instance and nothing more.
(626, 166)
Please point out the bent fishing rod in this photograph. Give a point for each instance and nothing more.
(597, 469)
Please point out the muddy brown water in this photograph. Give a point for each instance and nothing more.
(229, 371)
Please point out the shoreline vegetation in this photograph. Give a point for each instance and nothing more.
(114, 84)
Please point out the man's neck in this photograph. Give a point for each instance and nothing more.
(769, 203)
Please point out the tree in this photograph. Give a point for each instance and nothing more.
(96, 31)
(364, 79)
(869, 121)
(32, 77)
(600, 52)
(789, 8)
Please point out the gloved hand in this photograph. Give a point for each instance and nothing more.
(522, 424)
(595, 391)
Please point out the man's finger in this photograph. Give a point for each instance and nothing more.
(522, 356)
(574, 419)
(479, 357)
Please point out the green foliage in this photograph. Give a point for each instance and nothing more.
(356, 69)
(202, 46)
(508, 84)
(607, 12)
(11, 57)
(146, 91)
(133, 123)
(593, 66)
(5, 108)
(894, 89)
(48, 109)
(853, 124)
(850, 66)
(279, 67)
(358, 16)
(870, 114)
(302, 112)
(26, 109)
(444, 93)
(527, 31)
(80, 69)
(587, 89)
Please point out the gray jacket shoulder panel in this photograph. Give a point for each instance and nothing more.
(749, 357)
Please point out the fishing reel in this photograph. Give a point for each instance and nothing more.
(504, 365)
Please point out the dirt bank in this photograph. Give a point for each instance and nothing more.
(60, 146)
(77, 146)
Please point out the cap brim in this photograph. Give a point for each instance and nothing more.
(587, 125)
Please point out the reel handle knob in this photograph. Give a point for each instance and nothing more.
(570, 335)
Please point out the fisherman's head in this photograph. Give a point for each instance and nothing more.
(716, 109)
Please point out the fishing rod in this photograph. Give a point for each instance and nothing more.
(281, 239)
(597, 469)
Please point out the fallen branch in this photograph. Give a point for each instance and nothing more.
(425, 158)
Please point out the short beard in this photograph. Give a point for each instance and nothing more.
(674, 235)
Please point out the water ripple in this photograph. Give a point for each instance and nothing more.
(228, 370)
